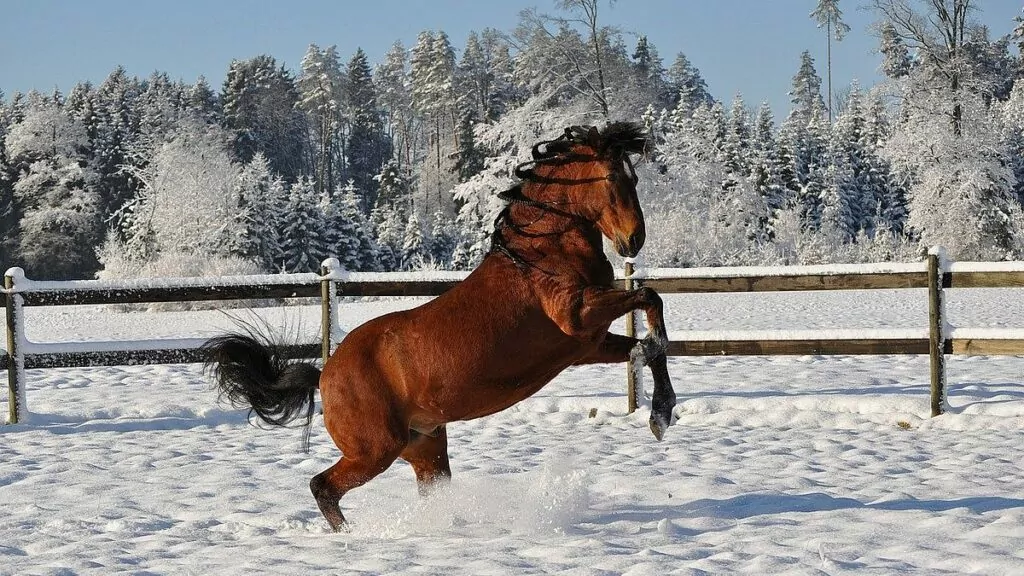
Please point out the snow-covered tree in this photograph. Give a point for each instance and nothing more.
(433, 73)
(388, 223)
(368, 146)
(414, 251)
(55, 193)
(504, 93)
(766, 168)
(303, 239)
(938, 32)
(262, 204)
(320, 87)
(259, 100)
(962, 192)
(470, 158)
(474, 80)
(369, 258)
(896, 60)
(117, 131)
(805, 95)
(689, 90)
(189, 198)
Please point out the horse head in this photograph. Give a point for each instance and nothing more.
(587, 173)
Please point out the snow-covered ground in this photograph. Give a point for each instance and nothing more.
(784, 465)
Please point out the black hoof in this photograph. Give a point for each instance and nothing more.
(658, 426)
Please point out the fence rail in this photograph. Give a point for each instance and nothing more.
(332, 282)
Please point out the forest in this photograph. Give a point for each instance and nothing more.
(397, 165)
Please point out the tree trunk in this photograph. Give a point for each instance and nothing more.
(828, 49)
(437, 140)
(591, 10)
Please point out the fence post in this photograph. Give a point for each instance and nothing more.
(17, 406)
(631, 388)
(328, 305)
(936, 333)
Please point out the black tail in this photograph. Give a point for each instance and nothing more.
(251, 371)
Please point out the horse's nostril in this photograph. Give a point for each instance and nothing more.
(636, 242)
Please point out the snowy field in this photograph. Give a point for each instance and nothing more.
(784, 465)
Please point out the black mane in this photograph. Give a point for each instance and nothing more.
(616, 139)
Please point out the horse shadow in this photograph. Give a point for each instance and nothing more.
(63, 424)
(746, 506)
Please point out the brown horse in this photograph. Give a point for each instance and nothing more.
(542, 300)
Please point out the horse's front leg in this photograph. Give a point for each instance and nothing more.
(595, 308)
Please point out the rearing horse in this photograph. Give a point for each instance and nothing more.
(542, 300)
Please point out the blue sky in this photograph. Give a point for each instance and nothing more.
(741, 46)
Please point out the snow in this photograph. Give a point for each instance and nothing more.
(985, 267)
(757, 271)
(812, 334)
(113, 345)
(23, 284)
(987, 333)
(776, 465)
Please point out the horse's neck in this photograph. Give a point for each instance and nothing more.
(554, 238)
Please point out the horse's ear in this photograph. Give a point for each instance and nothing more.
(593, 137)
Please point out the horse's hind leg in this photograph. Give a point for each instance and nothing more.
(361, 462)
(428, 455)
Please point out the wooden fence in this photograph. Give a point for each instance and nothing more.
(934, 274)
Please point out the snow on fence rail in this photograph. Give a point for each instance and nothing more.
(936, 274)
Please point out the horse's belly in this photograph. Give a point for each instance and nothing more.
(501, 380)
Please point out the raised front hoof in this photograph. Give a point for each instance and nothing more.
(658, 426)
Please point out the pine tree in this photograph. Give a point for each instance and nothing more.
(504, 93)
(805, 148)
(839, 218)
(340, 234)
(259, 100)
(320, 86)
(853, 166)
(388, 225)
(737, 140)
(474, 80)
(413, 251)
(160, 108)
(393, 187)
(262, 204)
(687, 85)
(433, 66)
(116, 132)
(392, 81)
(363, 231)
(368, 146)
(442, 240)
(303, 241)
(201, 101)
(470, 158)
(766, 169)
(890, 192)
(828, 14)
(650, 72)
(896, 60)
(806, 92)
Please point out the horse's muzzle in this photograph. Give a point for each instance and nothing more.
(630, 247)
